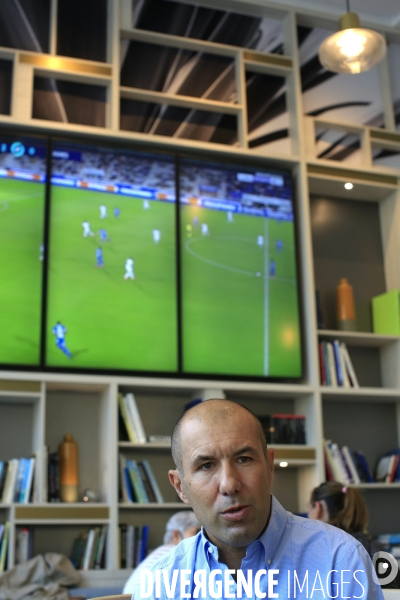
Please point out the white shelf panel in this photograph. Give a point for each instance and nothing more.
(356, 338)
(61, 523)
(148, 446)
(363, 394)
(377, 486)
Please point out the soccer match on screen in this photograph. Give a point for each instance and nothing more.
(22, 198)
(112, 267)
(239, 279)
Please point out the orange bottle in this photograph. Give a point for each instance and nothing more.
(69, 473)
(346, 314)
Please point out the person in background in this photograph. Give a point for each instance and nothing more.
(344, 507)
(181, 525)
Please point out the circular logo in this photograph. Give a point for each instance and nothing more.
(17, 149)
(386, 567)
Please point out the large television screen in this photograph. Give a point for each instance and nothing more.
(22, 204)
(240, 297)
(112, 260)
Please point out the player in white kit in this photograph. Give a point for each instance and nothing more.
(156, 235)
(204, 229)
(129, 269)
(260, 240)
(146, 204)
(229, 216)
(86, 229)
(103, 212)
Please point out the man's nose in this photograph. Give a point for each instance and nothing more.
(229, 480)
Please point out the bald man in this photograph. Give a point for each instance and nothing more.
(249, 546)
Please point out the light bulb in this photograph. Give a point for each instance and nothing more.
(348, 186)
(351, 43)
(283, 463)
(352, 49)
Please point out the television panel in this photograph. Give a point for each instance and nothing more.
(112, 260)
(240, 308)
(22, 202)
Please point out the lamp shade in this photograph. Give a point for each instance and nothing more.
(353, 49)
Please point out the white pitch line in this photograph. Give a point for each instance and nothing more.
(213, 262)
(266, 298)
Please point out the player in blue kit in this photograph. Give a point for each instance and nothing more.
(103, 236)
(59, 330)
(117, 212)
(99, 258)
(272, 268)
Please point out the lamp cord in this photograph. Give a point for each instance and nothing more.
(348, 5)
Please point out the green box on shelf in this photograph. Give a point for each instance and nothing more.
(386, 313)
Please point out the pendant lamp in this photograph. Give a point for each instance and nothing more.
(352, 49)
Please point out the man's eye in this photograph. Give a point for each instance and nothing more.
(206, 466)
(244, 459)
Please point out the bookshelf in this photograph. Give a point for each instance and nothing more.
(39, 408)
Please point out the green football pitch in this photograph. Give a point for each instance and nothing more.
(21, 234)
(237, 317)
(111, 322)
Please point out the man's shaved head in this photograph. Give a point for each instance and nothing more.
(213, 410)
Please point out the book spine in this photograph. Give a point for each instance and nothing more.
(338, 365)
(26, 490)
(101, 547)
(137, 482)
(4, 547)
(21, 468)
(145, 535)
(349, 366)
(349, 460)
(331, 364)
(88, 550)
(146, 482)
(126, 418)
(153, 481)
(326, 364)
(346, 380)
(321, 364)
(136, 419)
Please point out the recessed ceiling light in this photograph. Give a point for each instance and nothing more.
(283, 463)
(348, 186)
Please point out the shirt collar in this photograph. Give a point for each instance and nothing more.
(269, 539)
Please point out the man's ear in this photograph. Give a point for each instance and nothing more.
(176, 482)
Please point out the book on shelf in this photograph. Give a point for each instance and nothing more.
(336, 367)
(133, 543)
(388, 467)
(131, 418)
(137, 482)
(345, 465)
(284, 428)
(53, 477)
(4, 539)
(88, 549)
(16, 480)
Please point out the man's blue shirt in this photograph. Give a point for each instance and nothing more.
(313, 560)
